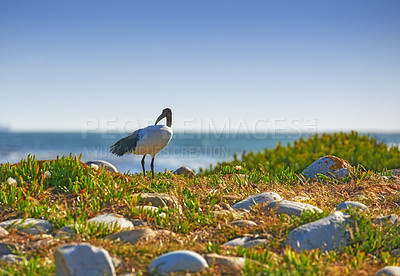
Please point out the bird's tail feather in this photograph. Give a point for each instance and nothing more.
(125, 145)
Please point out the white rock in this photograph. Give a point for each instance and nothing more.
(395, 172)
(29, 225)
(9, 258)
(177, 261)
(325, 234)
(102, 164)
(353, 204)
(112, 219)
(159, 200)
(246, 242)
(257, 199)
(288, 207)
(82, 259)
(3, 233)
(390, 219)
(237, 263)
(185, 171)
(327, 165)
(133, 236)
(389, 271)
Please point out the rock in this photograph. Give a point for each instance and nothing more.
(326, 234)
(395, 252)
(102, 164)
(82, 259)
(185, 171)
(243, 223)
(159, 200)
(65, 232)
(3, 233)
(395, 172)
(9, 258)
(177, 261)
(138, 222)
(327, 165)
(257, 199)
(342, 173)
(133, 236)
(390, 219)
(235, 263)
(246, 242)
(290, 208)
(29, 225)
(6, 248)
(353, 204)
(226, 213)
(389, 271)
(111, 220)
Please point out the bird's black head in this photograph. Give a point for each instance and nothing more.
(166, 113)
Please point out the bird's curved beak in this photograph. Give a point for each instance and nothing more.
(163, 115)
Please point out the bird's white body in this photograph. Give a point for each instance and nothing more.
(152, 139)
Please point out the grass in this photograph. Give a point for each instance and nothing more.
(65, 191)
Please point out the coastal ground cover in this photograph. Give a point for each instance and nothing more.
(68, 192)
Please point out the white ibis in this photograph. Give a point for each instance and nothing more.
(149, 140)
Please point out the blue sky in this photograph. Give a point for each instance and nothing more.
(218, 64)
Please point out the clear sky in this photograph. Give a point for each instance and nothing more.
(251, 65)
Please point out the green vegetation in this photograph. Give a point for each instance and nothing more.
(67, 192)
(356, 149)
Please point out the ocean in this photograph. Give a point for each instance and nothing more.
(194, 150)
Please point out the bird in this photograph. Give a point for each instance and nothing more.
(149, 140)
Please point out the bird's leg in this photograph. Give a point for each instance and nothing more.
(144, 171)
(152, 167)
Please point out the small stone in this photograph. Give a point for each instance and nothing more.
(390, 219)
(353, 204)
(327, 165)
(395, 252)
(243, 223)
(112, 219)
(226, 213)
(177, 262)
(159, 200)
(133, 236)
(102, 164)
(29, 225)
(257, 199)
(235, 263)
(185, 171)
(389, 271)
(6, 248)
(3, 233)
(138, 222)
(326, 234)
(290, 208)
(9, 258)
(82, 259)
(395, 172)
(246, 242)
